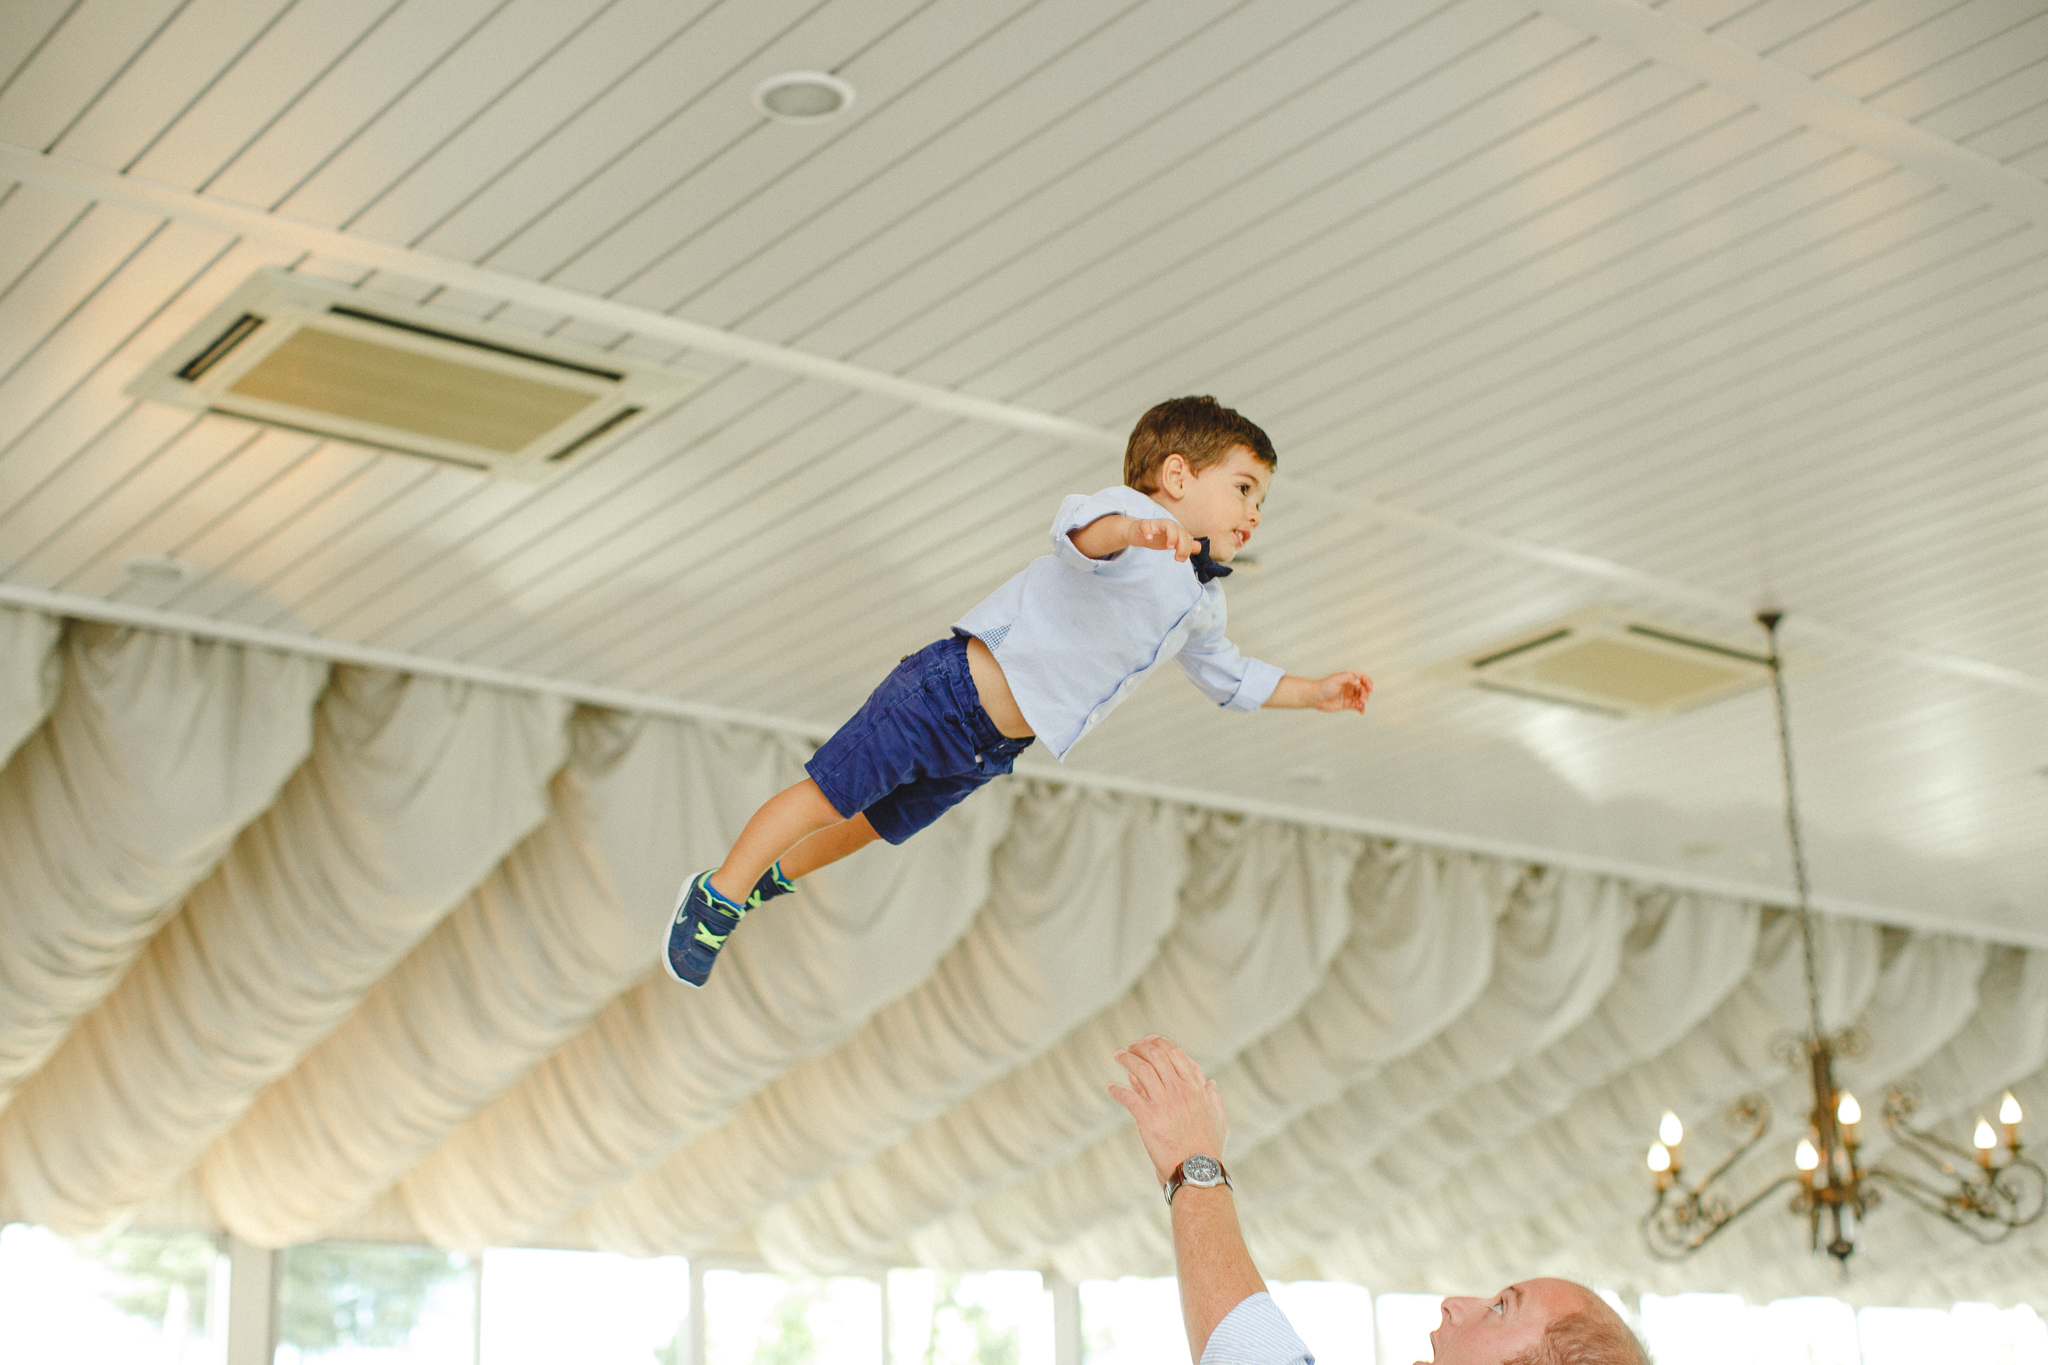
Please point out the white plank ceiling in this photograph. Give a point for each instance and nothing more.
(1537, 321)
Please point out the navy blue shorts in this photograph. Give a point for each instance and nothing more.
(917, 746)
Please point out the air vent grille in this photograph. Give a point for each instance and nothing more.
(315, 356)
(1607, 660)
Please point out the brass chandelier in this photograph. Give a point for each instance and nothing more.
(1987, 1190)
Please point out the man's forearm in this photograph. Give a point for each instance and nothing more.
(1215, 1268)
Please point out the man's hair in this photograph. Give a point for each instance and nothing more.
(1200, 430)
(1585, 1338)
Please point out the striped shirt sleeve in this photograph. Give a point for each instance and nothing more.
(1256, 1332)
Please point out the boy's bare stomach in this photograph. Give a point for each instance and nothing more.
(994, 690)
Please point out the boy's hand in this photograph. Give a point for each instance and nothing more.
(1160, 533)
(1344, 691)
(1176, 1107)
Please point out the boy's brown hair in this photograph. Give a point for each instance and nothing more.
(1200, 430)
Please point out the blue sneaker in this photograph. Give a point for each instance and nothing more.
(702, 920)
(771, 885)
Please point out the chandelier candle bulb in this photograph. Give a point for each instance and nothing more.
(1848, 1114)
(1806, 1156)
(2009, 1115)
(1660, 1164)
(1670, 1131)
(1984, 1140)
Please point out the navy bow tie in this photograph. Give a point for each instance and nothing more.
(1205, 567)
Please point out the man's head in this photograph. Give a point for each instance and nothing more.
(1535, 1322)
(1199, 430)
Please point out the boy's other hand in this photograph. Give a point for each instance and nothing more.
(1175, 1105)
(1344, 691)
(1160, 533)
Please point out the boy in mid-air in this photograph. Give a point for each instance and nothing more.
(1047, 655)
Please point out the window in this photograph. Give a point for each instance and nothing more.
(369, 1303)
(770, 1320)
(138, 1297)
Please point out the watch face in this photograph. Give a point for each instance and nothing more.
(1201, 1170)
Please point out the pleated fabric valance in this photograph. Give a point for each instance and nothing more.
(305, 950)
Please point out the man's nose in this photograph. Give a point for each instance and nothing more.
(1457, 1308)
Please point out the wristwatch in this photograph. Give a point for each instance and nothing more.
(1205, 1171)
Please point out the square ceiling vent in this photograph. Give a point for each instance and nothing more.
(300, 352)
(1607, 660)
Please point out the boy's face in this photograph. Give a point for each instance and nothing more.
(1222, 501)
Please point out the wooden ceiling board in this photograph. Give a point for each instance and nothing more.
(432, 108)
(73, 65)
(1132, 190)
(345, 96)
(24, 27)
(1698, 479)
(703, 504)
(1986, 109)
(1636, 320)
(1056, 331)
(264, 81)
(975, 160)
(1878, 74)
(980, 114)
(683, 541)
(1315, 304)
(831, 537)
(720, 214)
(616, 43)
(1962, 78)
(690, 97)
(1686, 436)
(2012, 138)
(1156, 122)
(179, 64)
(1320, 401)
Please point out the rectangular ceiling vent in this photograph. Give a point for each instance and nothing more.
(1611, 661)
(312, 355)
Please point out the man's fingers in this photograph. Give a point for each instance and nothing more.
(1144, 1077)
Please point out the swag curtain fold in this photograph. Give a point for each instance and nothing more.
(316, 949)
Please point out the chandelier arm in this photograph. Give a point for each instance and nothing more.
(1755, 1105)
(1928, 1147)
(1986, 1228)
(1671, 1243)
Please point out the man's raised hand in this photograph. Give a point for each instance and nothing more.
(1176, 1107)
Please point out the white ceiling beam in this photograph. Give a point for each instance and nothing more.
(111, 187)
(1670, 41)
(1042, 769)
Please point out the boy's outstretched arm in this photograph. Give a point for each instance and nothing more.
(1344, 691)
(1106, 536)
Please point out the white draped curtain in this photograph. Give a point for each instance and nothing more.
(305, 950)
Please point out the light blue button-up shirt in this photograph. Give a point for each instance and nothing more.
(1256, 1332)
(1075, 635)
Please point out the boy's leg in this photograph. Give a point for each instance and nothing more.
(828, 846)
(785, 819)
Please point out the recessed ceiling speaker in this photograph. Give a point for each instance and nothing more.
(1616, 662)
(312, 355)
